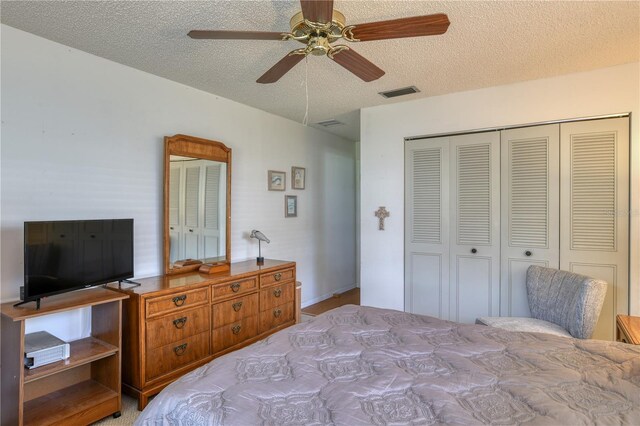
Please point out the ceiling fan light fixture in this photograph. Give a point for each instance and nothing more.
(399, 92)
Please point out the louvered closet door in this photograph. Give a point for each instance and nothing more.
(594, 207)
(175, 213)
(427, 227)
(211, 210)
(530, 210)
(191, 231)
(475, 231)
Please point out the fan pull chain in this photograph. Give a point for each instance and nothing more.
(305, 120)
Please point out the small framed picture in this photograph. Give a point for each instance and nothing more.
(277, 181)
(290, 206)
(297, 177)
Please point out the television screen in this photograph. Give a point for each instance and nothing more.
(62, 256)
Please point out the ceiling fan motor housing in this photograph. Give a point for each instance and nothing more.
(300, 27)
(317, 35)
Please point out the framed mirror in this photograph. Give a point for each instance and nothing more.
(197, 205)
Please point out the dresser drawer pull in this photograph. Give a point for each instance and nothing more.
(180, 349)
(235, 287)
(277, 276)
(236, 329)
(180, 322)
(236, 306)
(277, 293)
(179, 300)
(277, 313)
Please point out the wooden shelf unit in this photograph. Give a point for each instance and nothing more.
(79, 390)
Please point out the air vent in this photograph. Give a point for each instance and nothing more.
(329, 123)
(399, 92)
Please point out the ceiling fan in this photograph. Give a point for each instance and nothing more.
(318, 25)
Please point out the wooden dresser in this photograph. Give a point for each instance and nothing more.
(175, 323)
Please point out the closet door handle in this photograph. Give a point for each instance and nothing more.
(528, 253)
(236, 306)
(474, 251)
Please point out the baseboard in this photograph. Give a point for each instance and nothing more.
(326, 296)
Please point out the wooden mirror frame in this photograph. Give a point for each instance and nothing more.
(189, 146)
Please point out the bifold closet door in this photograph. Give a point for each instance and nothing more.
(211, 213)
(192, 234)
(594, 205)
(176, 215)
(474, 262)
(452, 226)
(427, 227)
(530, 210)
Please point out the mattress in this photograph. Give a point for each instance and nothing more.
(360, 366)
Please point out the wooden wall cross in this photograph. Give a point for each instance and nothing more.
(381, 214)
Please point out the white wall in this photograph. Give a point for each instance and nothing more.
(383, 129)
(82, 137)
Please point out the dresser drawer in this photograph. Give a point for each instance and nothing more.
(235, 287)
(177, 326)
(234, 310)
(168, 358)
(277, 277)
(276, 295)
(176, 301)
(234, 333)
(276, 316)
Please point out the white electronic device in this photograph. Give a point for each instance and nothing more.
(42, 348)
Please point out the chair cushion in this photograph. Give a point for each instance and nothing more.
(569, 300)
(524, 324)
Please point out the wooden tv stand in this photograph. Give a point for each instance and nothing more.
(79, 390)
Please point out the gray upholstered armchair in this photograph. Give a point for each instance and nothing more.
(561, 303)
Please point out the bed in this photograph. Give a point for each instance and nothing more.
(360, 366)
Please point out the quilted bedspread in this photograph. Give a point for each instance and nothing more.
(360, 366)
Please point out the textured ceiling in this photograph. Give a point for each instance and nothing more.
(488, 43)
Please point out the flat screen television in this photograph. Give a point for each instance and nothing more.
(61, 256)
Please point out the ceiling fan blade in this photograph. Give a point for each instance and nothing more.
(281, 68)
(414, 26)
(317, 10)
(235, 35)
(358, 65)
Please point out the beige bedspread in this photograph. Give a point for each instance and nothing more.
(360, 366)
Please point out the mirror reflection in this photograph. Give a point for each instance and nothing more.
(197, 210)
